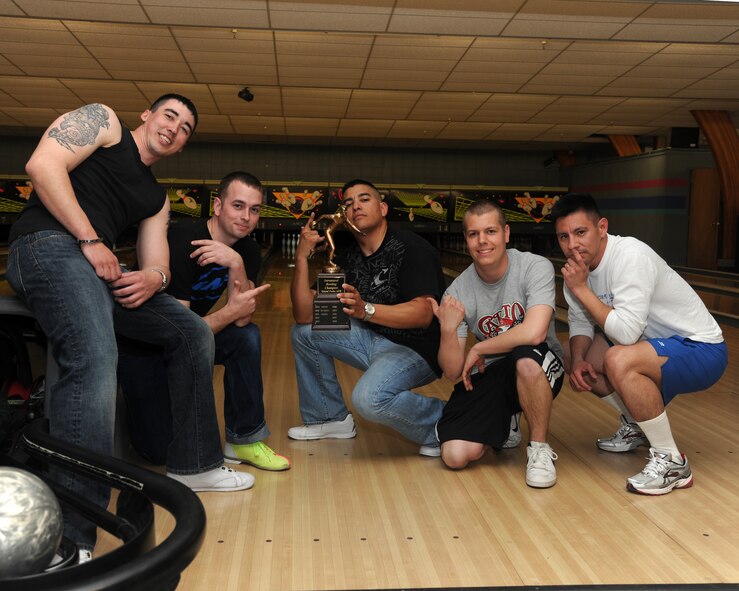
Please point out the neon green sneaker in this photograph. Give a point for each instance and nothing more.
(257, 454)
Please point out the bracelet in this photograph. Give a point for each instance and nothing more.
(165, 283)
(90, 241)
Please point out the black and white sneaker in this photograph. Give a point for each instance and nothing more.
(514, 436)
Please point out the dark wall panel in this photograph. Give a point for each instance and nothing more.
(336, 164)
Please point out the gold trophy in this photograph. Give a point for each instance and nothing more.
(328, 313)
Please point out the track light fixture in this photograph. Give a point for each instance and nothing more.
(246, 95)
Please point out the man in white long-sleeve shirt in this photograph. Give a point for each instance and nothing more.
(656, 338)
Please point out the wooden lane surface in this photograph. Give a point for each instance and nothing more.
(370, 513)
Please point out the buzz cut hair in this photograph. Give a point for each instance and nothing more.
(574, 202)
(482, 206)
(353, 183)
(240, 176)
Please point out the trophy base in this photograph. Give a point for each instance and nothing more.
(328, 311)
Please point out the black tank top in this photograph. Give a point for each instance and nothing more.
(113, 187)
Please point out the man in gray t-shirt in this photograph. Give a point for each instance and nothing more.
(507, 299)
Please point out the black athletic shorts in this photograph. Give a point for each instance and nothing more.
(483, 414)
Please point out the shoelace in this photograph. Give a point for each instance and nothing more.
(656, 466)
(623, 429)
(261, 449)
(543, 451)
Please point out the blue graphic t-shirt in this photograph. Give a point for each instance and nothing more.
(203, 286)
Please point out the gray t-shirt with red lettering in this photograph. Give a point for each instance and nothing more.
(493, 308)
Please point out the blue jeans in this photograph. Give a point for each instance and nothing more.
(76, 311)
(142, 374)
(381, 395)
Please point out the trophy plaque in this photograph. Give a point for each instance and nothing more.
(328, 313)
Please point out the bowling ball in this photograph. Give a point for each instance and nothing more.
(30, 523)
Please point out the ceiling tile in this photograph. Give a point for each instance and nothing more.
(369, 104)
(364, 127)
(10, 8)
(33, 117)
(681, 60)
(467, 130)
(570, 29)
(672, 32)
(258, 125)
(214, 13)
(519, 131)
(408, 21)
(444, 106)
(341, 62)
(334, 16)
(114, 93)
(328, 103)
(416, 129)
(111, 10)
(8, 101)
(317, 126)
(214, 124)
(16, 48)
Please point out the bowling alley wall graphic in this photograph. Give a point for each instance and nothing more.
(296, 202)
(13, 194)
(186, 200)
(288, 205)
(519, 206)
(416, 205)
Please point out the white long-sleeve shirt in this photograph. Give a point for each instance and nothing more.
(649, 299)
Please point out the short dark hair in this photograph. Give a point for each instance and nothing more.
(243, 177)
(573, 202)
(178, 97)
(484, 206)
(354, 183)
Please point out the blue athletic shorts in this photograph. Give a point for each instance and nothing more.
(692, 366)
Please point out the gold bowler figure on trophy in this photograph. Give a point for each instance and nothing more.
(337, 219)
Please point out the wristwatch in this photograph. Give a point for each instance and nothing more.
(369, 312)
(165, 282)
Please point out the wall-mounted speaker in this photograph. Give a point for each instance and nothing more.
(684, 137)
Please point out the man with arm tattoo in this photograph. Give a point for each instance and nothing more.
(92, 180)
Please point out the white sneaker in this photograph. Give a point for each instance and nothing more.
(430, 451)
(84, 555)
(514, 435)
(332, 430)
(223, 479)
(540, 470)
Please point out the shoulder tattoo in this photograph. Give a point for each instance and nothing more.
(81, 127)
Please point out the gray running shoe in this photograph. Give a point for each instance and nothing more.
(629, 436)
(661, 474)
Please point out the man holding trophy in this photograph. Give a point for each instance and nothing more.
(385, 278)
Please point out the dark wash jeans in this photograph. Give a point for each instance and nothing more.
(142, 373)
(76, 311)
